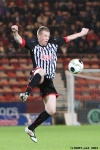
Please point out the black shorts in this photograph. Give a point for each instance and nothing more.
(47, 88)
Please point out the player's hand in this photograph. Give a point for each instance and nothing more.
(84, 31)
(14, 28)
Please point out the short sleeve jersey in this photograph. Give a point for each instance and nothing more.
(44, 56)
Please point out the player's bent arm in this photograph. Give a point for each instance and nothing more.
(83, 32)
(17, 37)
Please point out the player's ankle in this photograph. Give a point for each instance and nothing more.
(26, 93)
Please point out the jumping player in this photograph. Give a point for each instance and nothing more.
(43, 51)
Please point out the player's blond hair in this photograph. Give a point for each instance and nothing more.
(42, 28)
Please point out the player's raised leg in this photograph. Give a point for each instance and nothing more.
(37, 78)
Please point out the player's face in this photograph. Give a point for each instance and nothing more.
(43, 38)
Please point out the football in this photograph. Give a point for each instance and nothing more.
(75, 66)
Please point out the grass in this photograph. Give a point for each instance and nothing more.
(51, 138)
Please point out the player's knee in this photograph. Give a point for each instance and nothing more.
(41, 71)
(52, 111)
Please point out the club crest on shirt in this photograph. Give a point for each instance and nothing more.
(46, 57)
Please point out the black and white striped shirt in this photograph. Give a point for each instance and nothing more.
(44, 56)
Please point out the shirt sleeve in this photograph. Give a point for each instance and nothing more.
(23, 43)
(27, 44)
(66, 39)
(60, 41)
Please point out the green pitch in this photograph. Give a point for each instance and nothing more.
(51, 138)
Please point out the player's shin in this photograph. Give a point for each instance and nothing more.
(41, 118)
(33, 83)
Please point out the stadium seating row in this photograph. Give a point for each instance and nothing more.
(87, 89)
(14, 76)
(24, 63)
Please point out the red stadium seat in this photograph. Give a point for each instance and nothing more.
(3, 74)
(94, 66)
(4, 81)
(5, 61)
(2, 98)
(60, 60)
(22, 60)
(2, 67)
(94, 60)
(14, 61)
(11, 74)
(87, 66)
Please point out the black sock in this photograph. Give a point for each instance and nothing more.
(33, 83)
(41, 118)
